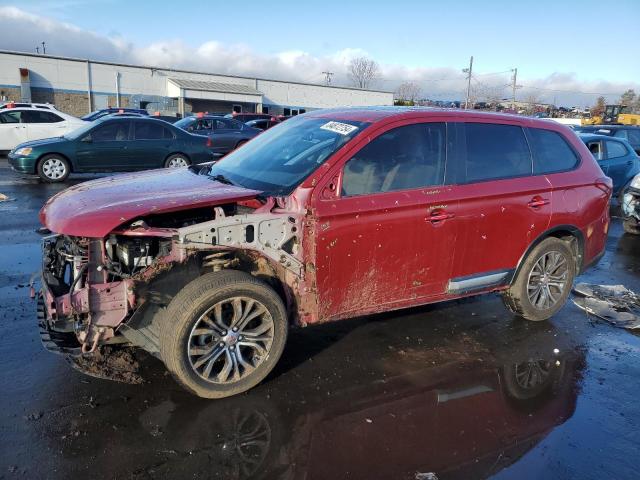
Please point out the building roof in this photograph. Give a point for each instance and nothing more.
(214, 86)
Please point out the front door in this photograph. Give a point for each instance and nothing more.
(104, 147)
(12, 131)
(387, 236)
(619, 163)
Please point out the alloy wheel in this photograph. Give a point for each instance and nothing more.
(177, 162)
(548, 280)
(532, 374)
(54, 168)
(230, 340)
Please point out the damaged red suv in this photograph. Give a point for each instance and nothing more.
(333, 214)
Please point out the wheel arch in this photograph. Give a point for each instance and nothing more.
(570, 234)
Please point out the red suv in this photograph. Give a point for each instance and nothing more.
(332, 215)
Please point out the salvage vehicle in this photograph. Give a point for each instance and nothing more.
(111, 144)
(616, 158)
(331, 215)
(627, 132)
(97, 114)
(631, 207)
(225, 134)
(24, 122)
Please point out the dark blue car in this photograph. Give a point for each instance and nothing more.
(90, 117)
(616, 158)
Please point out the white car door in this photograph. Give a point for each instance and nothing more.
(12, 131)
(43, 124)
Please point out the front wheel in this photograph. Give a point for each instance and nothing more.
(223, 333)
(53, 168)
(176, 160)
(544, 281)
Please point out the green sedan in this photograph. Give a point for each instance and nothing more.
(111, 145)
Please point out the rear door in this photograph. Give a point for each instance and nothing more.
(620, 163)
(226, 134)
(150, 146)
(43, 124)
(12, 130)
(502, 206)
(105, 147)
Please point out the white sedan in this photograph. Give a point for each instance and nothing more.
(21, 124)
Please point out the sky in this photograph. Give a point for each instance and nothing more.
(565, 51)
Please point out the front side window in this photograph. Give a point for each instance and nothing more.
(551, 152)
(35, 116)
(495, 151)
(412, 156)
(279, 159)
(116, 131)
(616, 150)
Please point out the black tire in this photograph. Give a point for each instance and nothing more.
(516, 298)
(53, 168)
(185, 312)
(177, 157)
(632, 226)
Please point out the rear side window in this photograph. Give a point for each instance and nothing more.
(412, 156)
(616, 149)
(551, 152)
(495, 151)
(151, 130)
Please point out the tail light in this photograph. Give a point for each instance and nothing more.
(209, 142)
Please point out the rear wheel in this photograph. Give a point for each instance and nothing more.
(177, 160)
(223, 333)
(544, 281)
(240, 143)
(53, 168)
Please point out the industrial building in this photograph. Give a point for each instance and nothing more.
(78, 86)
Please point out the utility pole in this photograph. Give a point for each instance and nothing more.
(44, 48)
(327, 77)
(37, 49)
(513, 89)
(468, 71)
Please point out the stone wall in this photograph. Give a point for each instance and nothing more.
(11, 94)
(72, 103)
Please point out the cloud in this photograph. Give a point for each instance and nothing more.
(23, 31)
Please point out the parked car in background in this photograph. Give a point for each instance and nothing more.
(45, 106)
(245, 117)
(108, 145)
(22, 124)
(631, 207)
(166, 118)
(226, 134)
(616, 158)
(263, 123)
(629, 133)
(90, 117)
(309, 223)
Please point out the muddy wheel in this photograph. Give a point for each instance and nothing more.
(223, 333)
(632, 226)
(177, 160)
(543, 283)
(53, 168)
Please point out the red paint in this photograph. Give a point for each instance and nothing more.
(95, 208)
(383, 251)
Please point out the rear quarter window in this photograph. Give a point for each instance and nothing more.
(551, 152)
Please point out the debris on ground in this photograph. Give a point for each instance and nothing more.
(615, 304)
(426, 476)
(118, 364)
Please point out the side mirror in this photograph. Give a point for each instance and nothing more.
(87, 139)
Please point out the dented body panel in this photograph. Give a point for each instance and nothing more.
(328, 255)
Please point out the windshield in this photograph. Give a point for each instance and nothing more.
(184, 123)
(278, 160)
(79, 132)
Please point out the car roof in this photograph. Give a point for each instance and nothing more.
(588, 137)
(375, 114)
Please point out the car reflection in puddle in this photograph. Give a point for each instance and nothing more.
(465, 410)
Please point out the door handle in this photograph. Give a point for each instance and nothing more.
(439, 216)
(537, 202)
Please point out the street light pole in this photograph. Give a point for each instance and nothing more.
(513, 87)
(469, 72)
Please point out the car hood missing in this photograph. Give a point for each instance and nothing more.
(95, 208)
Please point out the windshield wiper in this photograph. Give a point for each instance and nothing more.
(222, 179)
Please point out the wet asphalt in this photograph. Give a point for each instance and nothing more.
(462, 389)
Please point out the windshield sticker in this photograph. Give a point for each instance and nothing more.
(337, 127)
